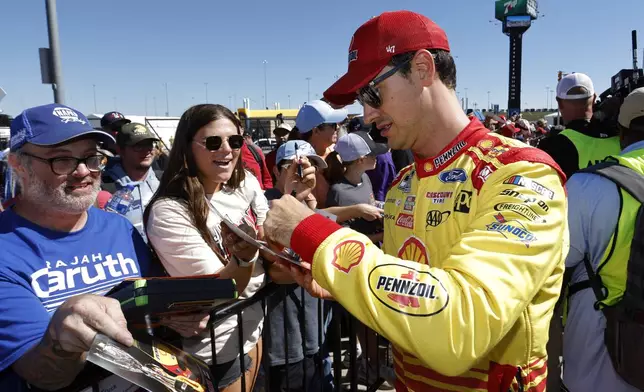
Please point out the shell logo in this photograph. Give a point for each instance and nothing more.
(485, 144)
(408, 291)
(348, 254)
(428, 166)
(414, 250)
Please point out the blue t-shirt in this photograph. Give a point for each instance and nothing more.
(41, 268)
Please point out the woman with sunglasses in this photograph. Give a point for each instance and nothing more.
(205, 181)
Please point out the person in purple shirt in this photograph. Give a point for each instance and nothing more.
(385, 171)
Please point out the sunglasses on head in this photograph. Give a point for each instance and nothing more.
(213, 143)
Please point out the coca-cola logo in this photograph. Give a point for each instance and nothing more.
(405, 220)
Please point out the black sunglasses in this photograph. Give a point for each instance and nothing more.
(213, 143)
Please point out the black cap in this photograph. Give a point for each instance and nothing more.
(357, 124)
(113, 119)
(133, 133)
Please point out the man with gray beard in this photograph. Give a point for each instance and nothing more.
(60, 254)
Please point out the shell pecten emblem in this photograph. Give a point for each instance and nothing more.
(408, 291)
(414, 250)
(347, 254)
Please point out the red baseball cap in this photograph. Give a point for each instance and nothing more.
(376, 42)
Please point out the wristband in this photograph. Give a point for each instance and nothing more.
(245, 264)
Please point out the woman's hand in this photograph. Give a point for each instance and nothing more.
(236, 245)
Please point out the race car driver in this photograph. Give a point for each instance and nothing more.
(475, 231)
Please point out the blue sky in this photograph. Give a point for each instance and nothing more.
(129, 49)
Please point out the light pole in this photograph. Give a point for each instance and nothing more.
(308, 84)
(289, 101)
(167, 101)
(265, 86)
(94, 88)
(488, 100)
(467, 102)
(206, 84)
(54, 47)
(547, 95)
(552, 99)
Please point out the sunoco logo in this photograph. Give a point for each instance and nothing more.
(408, 291)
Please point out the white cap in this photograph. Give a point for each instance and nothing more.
(574, 80)
(632, 108)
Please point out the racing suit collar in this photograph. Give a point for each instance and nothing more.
(469, 136)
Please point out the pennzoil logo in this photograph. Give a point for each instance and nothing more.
(348, 254)
(414, 250)
(408, 291)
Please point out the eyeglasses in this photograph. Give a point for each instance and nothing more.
(213, 143)
(144, 146)
(370, 94)
(64, 166)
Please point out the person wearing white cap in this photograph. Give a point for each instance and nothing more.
(602, 221)
(584, 142)
(317, 122)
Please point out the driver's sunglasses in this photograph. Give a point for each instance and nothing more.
(64, 166)
(213, 143)
(370, 94)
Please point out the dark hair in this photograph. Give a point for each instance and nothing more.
(180, 179)
(5, 120)
(443, 60)
(334, 173)
(294, 134)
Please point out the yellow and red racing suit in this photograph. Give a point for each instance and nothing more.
(471, 266)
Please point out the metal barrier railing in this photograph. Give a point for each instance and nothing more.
(330, 340)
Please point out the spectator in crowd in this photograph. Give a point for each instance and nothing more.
(135, 145)
(317, 123)
(583, 143)
(354, 154)
(598, 211)
(449, 223)
(111, 122)
(297, 312)
(253, 161)
(281, 136)
(205, 182)
(384, 173)
(56, 262)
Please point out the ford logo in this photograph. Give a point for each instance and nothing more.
(456, 175)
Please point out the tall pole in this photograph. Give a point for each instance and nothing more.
(167, 102)
(94, 88)
(265, 86)
(552, 99)
(54, 46)
(488, 101)
(467, 101)
(308, 84)
(206, 91)
(547, 96)
(289, 101)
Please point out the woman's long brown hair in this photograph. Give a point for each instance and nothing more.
(180, 179)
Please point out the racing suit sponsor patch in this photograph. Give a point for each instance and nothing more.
(408, 291)
(438, 197)
(455, 175)
(410, 203)
(405, 220)
(525, 199)
(511, 229)
(347, 254)
(449, 154)
(530, 184)
(413, 249)
(463, 202)
(435, 218)
(520, 209)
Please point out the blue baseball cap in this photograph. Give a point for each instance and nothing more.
(318, 112)
(51, 124)
(292, 148)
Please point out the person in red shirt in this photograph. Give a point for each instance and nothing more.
(254, 161)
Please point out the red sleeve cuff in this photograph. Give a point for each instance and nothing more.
(310, 234)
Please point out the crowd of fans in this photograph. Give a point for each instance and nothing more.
(446, 235)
